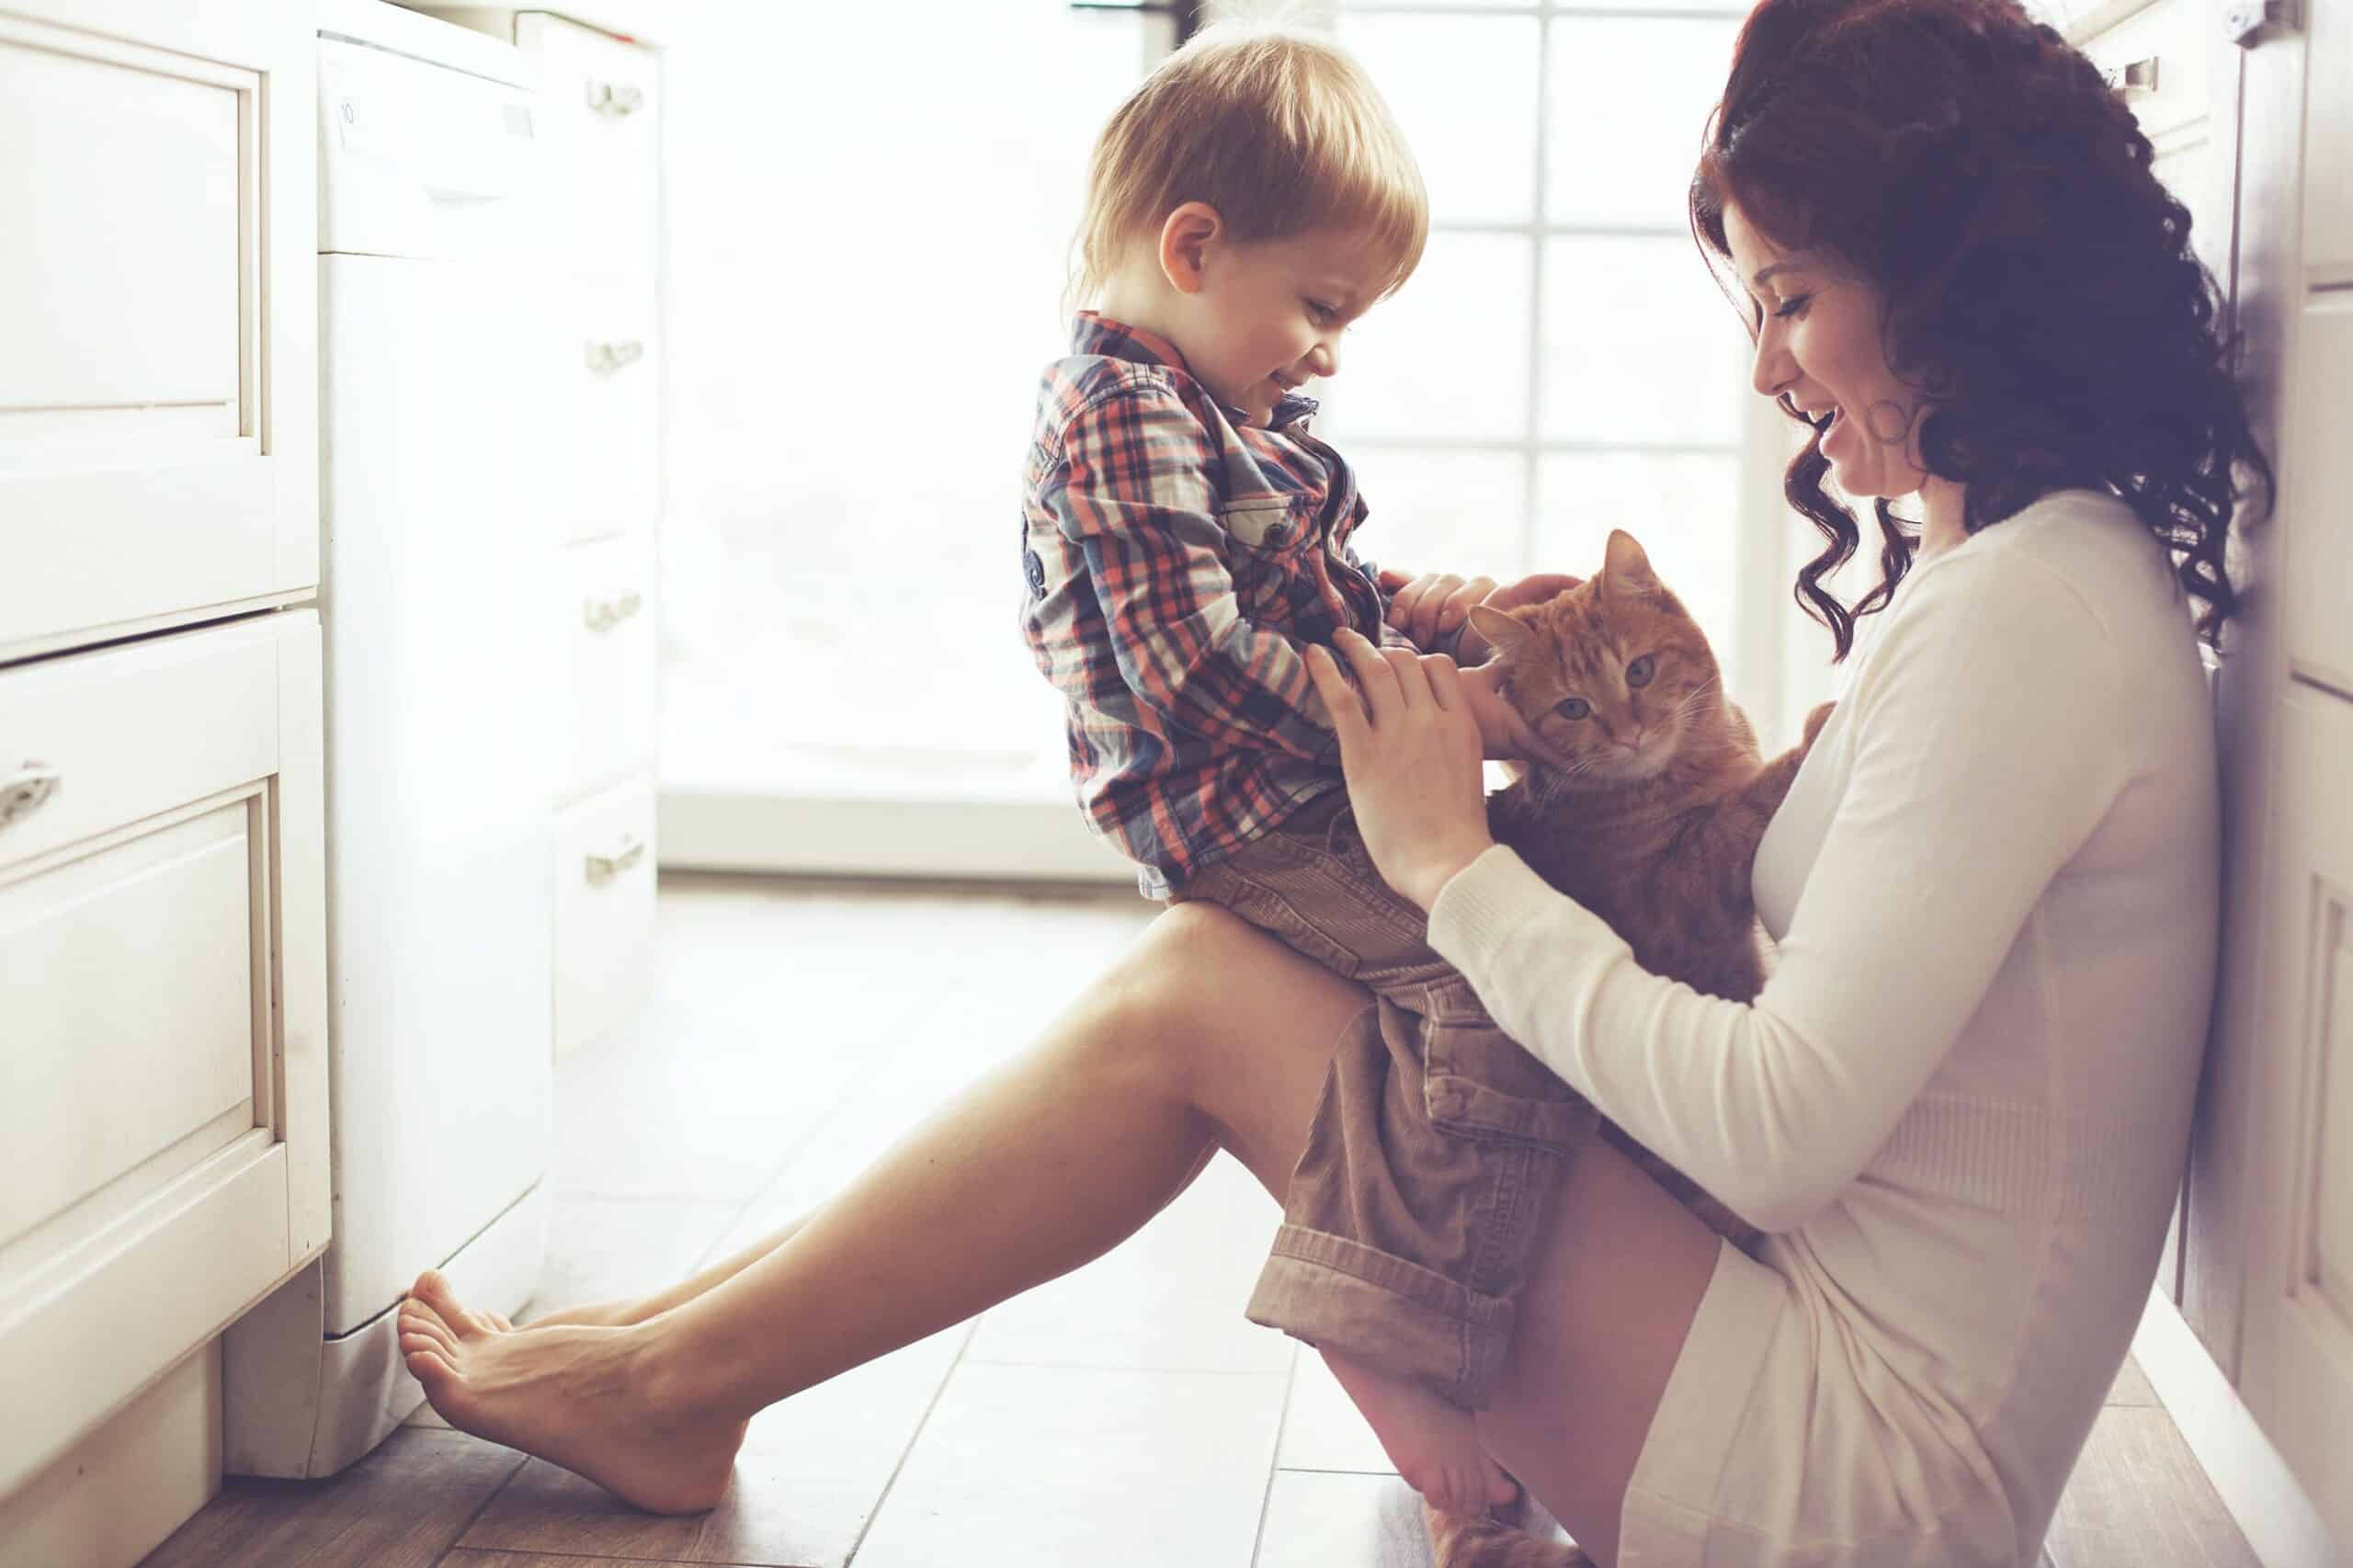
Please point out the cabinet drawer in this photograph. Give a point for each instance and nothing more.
(605, 435)
(157, 393)
(2158, 56)
(604, 910)
(607, 621)
(2328, 144)
(602, 139)
(162, 1124)
(2317, 544)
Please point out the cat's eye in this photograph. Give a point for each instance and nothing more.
(1574, 708)
(1639, 672)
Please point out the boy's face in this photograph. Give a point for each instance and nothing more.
(1265, 315)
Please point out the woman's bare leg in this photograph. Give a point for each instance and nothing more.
(623, 1313)
(1204, 1035)
(1594, 1344)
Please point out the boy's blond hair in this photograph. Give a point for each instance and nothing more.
(1277, 128)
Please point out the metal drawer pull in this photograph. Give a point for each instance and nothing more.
(27, 791)
(605, 357)
(603, 869)
(2139, 77)
(616, 99)
(603, 615)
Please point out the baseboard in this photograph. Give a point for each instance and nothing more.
(706, 829)
(2279, 1522)
(121, 1491)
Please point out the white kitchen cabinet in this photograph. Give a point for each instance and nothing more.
(2296, 1372)
(163, 1079)
(163, 1136)
(601, 94)
(158, 464)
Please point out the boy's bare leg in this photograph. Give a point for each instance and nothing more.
(1434, 1444)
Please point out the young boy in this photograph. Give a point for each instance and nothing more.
(1185, 538)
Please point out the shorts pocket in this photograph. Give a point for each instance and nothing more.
(1479, 1083)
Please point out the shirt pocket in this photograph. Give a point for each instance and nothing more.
(1269, 540)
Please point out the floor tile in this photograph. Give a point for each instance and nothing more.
(1317, 1519)
(1170, 1298)
(807, 1481)
(401, 1506)
(2138, 1498)
(1055, 1467)
(1321, 1429)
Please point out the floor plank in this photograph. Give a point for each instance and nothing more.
(1317, 1519)
(1043, 1467)
(401, 1507)
(1168, 1298)
(2138, 1498)
(811, 1470)
(2131, 1387)
(1321, 1429)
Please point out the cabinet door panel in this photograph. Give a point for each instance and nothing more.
(158, 444)
(2316, 535)
(2298, 1370)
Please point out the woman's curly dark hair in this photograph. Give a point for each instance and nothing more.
(2038, 284)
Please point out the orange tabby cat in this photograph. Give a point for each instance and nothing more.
(1649, 815)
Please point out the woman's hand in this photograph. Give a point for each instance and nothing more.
(1410, 747)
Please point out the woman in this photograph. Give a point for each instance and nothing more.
(1960, 1104)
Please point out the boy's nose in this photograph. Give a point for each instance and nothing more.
(1324, 359)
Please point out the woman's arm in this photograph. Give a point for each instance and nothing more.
(1985, 735)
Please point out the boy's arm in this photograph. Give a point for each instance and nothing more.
(1133, 491)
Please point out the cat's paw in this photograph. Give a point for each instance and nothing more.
(1814, 722)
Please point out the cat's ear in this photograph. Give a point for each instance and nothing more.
(1507, 634)
(1626, 568)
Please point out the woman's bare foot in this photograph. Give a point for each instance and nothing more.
(579, 1396)
(1434, 1444)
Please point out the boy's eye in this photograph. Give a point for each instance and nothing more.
(1639, 672)
(1574, 708)
(1795, 306)
(1322, 312)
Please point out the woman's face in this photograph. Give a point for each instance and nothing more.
(1819, 346)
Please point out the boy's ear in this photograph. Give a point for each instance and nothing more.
(1507, 634)
(1185, 241)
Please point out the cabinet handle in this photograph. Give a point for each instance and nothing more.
(603, 615)
(605, 357)
(603, 869)
(2133, 80)
(27, 791)
(615, 98)
(2242, 19)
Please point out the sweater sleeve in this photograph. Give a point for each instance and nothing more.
(1987, 746)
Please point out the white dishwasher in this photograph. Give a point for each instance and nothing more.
(440, 696)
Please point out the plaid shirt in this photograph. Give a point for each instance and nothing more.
(1179, 561)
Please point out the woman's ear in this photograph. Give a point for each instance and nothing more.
(1507, 634)
(1184, 242)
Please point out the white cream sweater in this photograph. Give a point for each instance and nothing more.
(1961, 1102)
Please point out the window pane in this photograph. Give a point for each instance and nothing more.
(841, 561)
(1681, 509)
(1463, 90)
(1639, 343)
(1444, 511)
(1447, 357)
(1630, 108)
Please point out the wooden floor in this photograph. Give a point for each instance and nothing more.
(1125, 1415)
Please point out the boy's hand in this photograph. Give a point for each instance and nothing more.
(1427, 607)
(1429, 596)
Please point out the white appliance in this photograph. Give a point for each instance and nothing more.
(440, 691)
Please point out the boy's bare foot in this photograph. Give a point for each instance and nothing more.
(576, 1395)
(1434, 1444)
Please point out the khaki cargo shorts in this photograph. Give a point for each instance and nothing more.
(1439, 1145)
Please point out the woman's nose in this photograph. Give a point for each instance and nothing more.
(1775, 371)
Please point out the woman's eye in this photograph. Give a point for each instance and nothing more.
(1793, 306)
(1639, 672)
(1574, 708)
